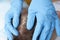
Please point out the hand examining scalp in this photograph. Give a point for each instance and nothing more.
(12, 18)
(47, 19)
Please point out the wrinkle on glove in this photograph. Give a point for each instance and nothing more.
(46, 19)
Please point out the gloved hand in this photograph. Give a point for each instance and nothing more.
(57, 7)
(46, 17)
(12, 18)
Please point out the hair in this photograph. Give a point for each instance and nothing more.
(24, 34)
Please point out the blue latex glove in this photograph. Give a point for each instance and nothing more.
(13, 13)
(46, 19)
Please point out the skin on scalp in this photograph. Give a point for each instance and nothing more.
(24, 34)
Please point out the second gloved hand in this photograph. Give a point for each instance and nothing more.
(12, 18)
(46, 19)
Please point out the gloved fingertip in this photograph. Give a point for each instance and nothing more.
(15, 33)
(57, 27)
(30, 22)
(12, 29)
(28, 27)
(15, 22)
(10, 38)
(9, 35)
